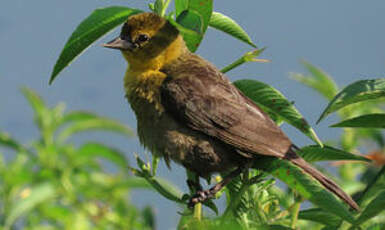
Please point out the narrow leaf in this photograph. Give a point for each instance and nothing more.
(166, 189)
(376, 226)
(374, 188)
(133, 182)
(225, 24)
(271, 227)
(7, 141)
(39, 108)
(102, 124)
(320, 216)
(158, 6)
(358, 91)
(78, 116)
(149, 217)
(330, 228)
(271, 100)
(99, 23)
(374, 208)
(91, 150)
(313, 153)
(364, 121)
(318, 80)
(34, 99)
(30, 198)
(305, 185)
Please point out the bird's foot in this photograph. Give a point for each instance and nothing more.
(200, 197)
(203, 195)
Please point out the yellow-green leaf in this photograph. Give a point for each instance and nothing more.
(225, 24)
(358, 91)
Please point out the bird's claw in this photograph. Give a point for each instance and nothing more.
(200, 197)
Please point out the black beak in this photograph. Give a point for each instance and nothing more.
(120, 44)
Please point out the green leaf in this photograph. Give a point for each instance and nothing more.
(305, 185)
(7, 141)
(39, 108)
(103, 124)
(225, 24)
(99, 23)
(151, 6)
(205, 9)
(166, 189)
(55, 211)
(358, 91)
(272, 101)
(320, 216)
(318, 80)
(365, 121)
(149, 217)
(330, 228)
(34, 196)
(180, 6)
(374, 208)
(75, 116)
(376, 226)
(91, 150)
(273, 227)
(191, 20)
(136, 183)
(313, 153)
(195, 17)
(158, 6)
(237, 198)
(374, 188)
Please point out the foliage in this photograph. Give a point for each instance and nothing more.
(253, 200)
(53, 184)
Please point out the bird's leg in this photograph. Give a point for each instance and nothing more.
(193, 182)
(204, 195)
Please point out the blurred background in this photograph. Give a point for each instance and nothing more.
(344, 38)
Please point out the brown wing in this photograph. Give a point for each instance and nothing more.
(198, 95)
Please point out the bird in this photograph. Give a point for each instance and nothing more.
(189, 112)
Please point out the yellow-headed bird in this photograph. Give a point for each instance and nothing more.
(188, 111)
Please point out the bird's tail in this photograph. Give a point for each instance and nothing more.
(292, 156)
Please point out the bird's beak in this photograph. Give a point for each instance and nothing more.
(119, 44)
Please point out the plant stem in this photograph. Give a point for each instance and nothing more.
(164, 9)
(247, 57)
(155, 162)
(295, 212)
(233, 65)
(198, 211)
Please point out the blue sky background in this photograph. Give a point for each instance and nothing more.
(346, 38)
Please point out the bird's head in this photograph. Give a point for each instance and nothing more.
(147, 36)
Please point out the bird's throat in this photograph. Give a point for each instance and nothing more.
(143, 77)
(142, 61)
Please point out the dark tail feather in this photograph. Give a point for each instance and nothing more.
(329, 184)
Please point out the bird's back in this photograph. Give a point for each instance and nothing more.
(196, 93)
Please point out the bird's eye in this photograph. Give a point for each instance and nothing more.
(142, 38)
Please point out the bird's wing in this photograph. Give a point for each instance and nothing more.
(202, 98)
